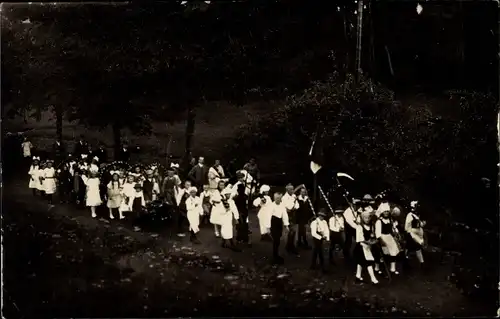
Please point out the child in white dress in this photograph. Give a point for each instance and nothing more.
(49, 181)
(93, 196)
(34, 174)
(127, 196)
(264, 214)
(114, 188)
(194, 211)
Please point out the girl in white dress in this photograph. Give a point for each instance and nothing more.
(34, 174)
(217, 208)
(128, 194)
(93, 196)
(114, 194)
(264, 214)
(41, 188)
(49, 181)
(385, 228)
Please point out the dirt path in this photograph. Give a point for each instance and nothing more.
(240, 278)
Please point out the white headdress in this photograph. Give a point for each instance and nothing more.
(36, 158)
(96, 158)
(384, 207)
(193, 189)
(264, 188)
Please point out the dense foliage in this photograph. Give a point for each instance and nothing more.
(416, 150)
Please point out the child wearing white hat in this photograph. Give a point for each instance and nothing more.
(264, 214)
(194, 210)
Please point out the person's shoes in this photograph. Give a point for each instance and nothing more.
(111, 216)
(359, 280)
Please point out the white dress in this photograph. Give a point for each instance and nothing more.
(114, 194)
(228, 214)
(93, 196)
(49, 180)
(264, 214)
(217, 208)
(128, 194)
(34, 174)
(194, 211)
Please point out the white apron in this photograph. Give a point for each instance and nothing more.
(389, 245)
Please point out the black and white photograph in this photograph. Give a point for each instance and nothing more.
(250, 158)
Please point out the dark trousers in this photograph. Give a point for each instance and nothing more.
(317, 253)
(242, 229)
(64, 193)
(336, 238)
(302, 235)
(48, 197)
(180, 218)
(276, 232)
(290, 242)
(350, 233)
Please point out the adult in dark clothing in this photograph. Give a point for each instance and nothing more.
(182, 211)
(78, 189)
(64, 179)
(124, 153)
(58, 151)
(148, 187)
(199, 174)
(101, 153)
(241, 200)
(303, 215)
(253, 169)
(279, 220)
(80, 147)
(90, 153)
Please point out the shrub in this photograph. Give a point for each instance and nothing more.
(418, 150)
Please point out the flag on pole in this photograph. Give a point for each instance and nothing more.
(316, 153)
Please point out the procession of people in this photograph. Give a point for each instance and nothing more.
(369, 232)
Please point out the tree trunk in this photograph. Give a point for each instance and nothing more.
(117, 138)
(191, 120)
(59, 122)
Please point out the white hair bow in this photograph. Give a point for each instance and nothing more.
(413, 204)
(96, 158)
(36, 157)
(174, 165)
(84, 156)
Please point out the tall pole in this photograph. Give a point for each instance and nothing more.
(359, 39)
(315, 187)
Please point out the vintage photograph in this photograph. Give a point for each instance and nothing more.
(250, 158)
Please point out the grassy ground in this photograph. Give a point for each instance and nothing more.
(78, 266)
